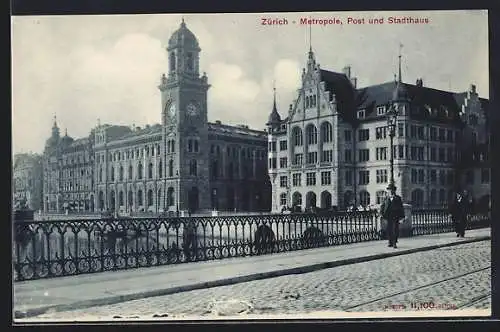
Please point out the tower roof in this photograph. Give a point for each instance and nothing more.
(274, 117)
(183, 37)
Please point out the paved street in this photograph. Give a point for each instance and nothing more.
(456, 277)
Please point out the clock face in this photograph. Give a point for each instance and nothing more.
(171, 110)
(192, 109)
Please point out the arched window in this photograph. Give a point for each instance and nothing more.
(193, 167)
(297, 136)
(158, 197)
(364, 198)
(130, 199)
(120, 198)
(326, 132)
(139, 197)
(150, 197)
(307, 102)
(172, 61)
(100, 174)
(348, 198)
(170, 196)
(112, 173)
(121, 173)
(171, 168)
(130, 172)
(311, 134)
(417, 198)
(190, 61)
(139, 171)
(297, 199)
(160, 169)
(150, 170)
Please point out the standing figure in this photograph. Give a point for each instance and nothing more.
(459, 210)
(392, 211)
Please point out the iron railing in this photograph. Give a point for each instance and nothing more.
(45, 249)
(436, 221)
(61, 248)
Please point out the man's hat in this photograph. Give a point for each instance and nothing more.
(391, 187)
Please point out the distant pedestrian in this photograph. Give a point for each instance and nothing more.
(459, 209)
(392, 211)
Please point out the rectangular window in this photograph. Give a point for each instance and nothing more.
(433, 154)
(381, 132)
(298, 159)
(441, 137)
(363, 135)
(312, 157)
(273, 145)
(414, 176)
(283, 201)
(401, 129)
(381, 153)
(296, 180)
(364, 154)
(283, 145)
(381, 176)
(449, 135)
(348, 155)
(413, 131)
(442, 178)
(420, 132)
(364, 177)
(401, 151)
(380, 110)
(485, 175)
(433, 134)
(421, 177)
(326, 178)
(327, 156)
(348, 177)
(433, 176)
(361, 114)
(272, 163)
(441, 154)
(283, 181)
(311, 179)
(283, 162)
(347, 135)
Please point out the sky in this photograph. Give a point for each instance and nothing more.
(86, 69)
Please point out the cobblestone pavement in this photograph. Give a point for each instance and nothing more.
(455, 277)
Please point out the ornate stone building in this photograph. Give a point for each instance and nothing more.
(184, 163)
(27, 181)
(68, 170)
(333, 148)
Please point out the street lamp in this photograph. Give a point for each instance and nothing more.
(392, 115)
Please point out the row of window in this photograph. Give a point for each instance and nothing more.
(414, 132)
(78, 159)
(311, 134)
(325, 178)
(406, 152)
(417, 197)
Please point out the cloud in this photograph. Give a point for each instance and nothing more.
(87, 67)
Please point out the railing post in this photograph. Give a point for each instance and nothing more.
(405, 227)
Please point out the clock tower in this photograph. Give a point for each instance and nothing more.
(185, 125)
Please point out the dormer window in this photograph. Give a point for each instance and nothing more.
(380, 110)
(361, 114)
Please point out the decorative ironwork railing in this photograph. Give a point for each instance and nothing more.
(60, 248)
(44, 249)
(435, 221)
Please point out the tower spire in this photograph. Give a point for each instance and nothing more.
(274, 94)
(55, 121)
(399, 75)
(310, 38)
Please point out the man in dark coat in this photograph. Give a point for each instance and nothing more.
(459, 209)
(392, 211)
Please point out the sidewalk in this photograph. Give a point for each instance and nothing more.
(35, 297)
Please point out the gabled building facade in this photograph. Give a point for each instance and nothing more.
(333, 148)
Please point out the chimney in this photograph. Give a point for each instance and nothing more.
(347, 71)
(354, 82)
(472, 88)
(420, 82)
